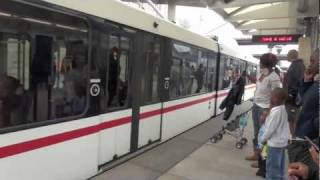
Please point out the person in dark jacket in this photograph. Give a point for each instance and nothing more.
(199, 75)
(234, 96)
(308, 121)
(114, 73)
(291, 84)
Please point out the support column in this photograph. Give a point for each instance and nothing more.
(314, 33)
(309, 43)
(172, 10)
(305, 50)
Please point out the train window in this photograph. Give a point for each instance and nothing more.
(175, 77)
(226, 73)
(201, 72)
(238, 67)
(230, 71)
(212, 67)
(43, 65)
(188, 71)
(17, 50)
(252, 73)
(118, 71)
(151, 69)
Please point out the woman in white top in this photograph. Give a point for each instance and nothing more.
(267, 81)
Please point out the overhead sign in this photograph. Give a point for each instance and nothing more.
(276, 39)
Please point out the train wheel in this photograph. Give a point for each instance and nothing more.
(244, 141)
(239, 145)
(214, 140)
(223, 131)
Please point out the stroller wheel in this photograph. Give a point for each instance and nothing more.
(223, 131)
(213, 140)
(244, 141)
(239, 145)
(220, 136)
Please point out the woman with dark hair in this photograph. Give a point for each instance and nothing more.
(267, 81)
(114, 73)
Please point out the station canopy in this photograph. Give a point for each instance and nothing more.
(258, 17)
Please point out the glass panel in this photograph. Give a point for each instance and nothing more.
(151, 70)
(201, 73)
(230, 71)
(226, 73)
(188, 71)
(43, 64)
(175, 78)
(212, 66)
(70, 79)
(118, 72)
(252, 74)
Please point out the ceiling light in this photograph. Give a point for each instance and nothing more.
(4, 14)
(37, 21)
(252, 30)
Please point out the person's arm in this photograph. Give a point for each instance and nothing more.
(271, 125)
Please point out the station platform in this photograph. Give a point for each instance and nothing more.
(189, 156)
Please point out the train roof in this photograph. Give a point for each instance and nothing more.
(235, 51)
(119, 12)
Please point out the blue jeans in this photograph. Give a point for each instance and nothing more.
(276, 164)
(256, 113)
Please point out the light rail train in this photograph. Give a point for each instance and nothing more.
(85, 83)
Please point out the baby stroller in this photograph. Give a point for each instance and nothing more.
(234, 128)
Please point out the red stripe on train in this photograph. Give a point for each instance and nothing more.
(58, 138)
(23, 147)
(180, 106)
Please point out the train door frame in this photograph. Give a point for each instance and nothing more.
(217, 78)
(133, 81)
(136, 89)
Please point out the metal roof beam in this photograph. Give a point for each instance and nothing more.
(283, 23)
(287, 9)
(240, 3)
(237, 11)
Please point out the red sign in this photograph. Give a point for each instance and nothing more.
(276, 39)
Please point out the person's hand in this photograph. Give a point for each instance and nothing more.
(264, 115)
(298, 169)
(314, 155)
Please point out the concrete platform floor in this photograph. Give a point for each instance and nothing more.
(189, 156)
(221, 161)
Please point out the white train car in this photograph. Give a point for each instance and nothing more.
(84, 83)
